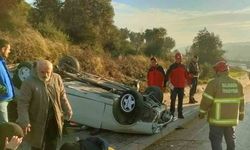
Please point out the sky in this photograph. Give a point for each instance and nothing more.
(183, 19)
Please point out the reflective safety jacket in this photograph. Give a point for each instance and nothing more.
(223, 101)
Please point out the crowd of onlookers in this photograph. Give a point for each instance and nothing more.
(176, 78)
(42, 107)
(222, 101)
(42, 104)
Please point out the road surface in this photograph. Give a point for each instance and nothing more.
(194, 135)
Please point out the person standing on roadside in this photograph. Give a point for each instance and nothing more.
(194, 72)
(41, 107)
(6, 86)
(156, 74)
(223, 103)
(176, 78)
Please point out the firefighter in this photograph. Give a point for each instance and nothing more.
(223, 102)
(156, 74)
(176, 78)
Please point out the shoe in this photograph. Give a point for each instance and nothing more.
(195, 101)
(191, 102)
(181, 116)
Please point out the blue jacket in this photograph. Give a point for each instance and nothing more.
(6, 85)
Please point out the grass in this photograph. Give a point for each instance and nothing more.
(236, 72)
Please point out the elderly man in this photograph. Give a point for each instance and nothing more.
(40, 105)
(6, 86)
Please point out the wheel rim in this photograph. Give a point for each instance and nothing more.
(128, 103)
(23, 73)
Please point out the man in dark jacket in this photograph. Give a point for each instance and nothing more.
(156, 74)
(176, 78)
(6, 86)
(194, 71)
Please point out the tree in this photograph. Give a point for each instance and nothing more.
(13, 14)
(89, 21)
(124, 33)
(157, 42)
(137, 41)
(46, 10)
(207, 46)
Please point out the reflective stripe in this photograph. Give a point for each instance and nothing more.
(227, 100)
(208, 96)
(224, 122)
(218, 102)
(241, 98)
(202, 111)
(217, 111)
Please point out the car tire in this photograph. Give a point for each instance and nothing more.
(22, 72)
(127, 109)
(69, 64)
(155, 92)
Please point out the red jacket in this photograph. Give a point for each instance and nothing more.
(178, 75)
(156, 76)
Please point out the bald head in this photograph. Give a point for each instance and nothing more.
(44, 69)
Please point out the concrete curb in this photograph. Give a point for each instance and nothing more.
(146, 141)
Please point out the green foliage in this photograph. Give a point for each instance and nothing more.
(236, 72)
(206, 71)
(13, 14)
(48, 30)
(45, 10)
(151, 42)
(157, 42)
(88, 21)
(124, 33)
(137, 41)
(207, 46)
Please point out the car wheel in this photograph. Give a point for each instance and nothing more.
(69, 64)
(127, 110)
(22, 72)
(155, 92)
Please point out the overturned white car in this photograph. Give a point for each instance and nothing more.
(105, 104)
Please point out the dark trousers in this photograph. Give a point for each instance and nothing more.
(216, 134)
(174, 93)
(193, 88)
(50, 136)
(12, 111)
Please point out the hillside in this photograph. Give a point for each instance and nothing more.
(234, 51)
(237, 51)
(51, 29)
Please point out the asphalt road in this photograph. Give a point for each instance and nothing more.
(194, 135)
